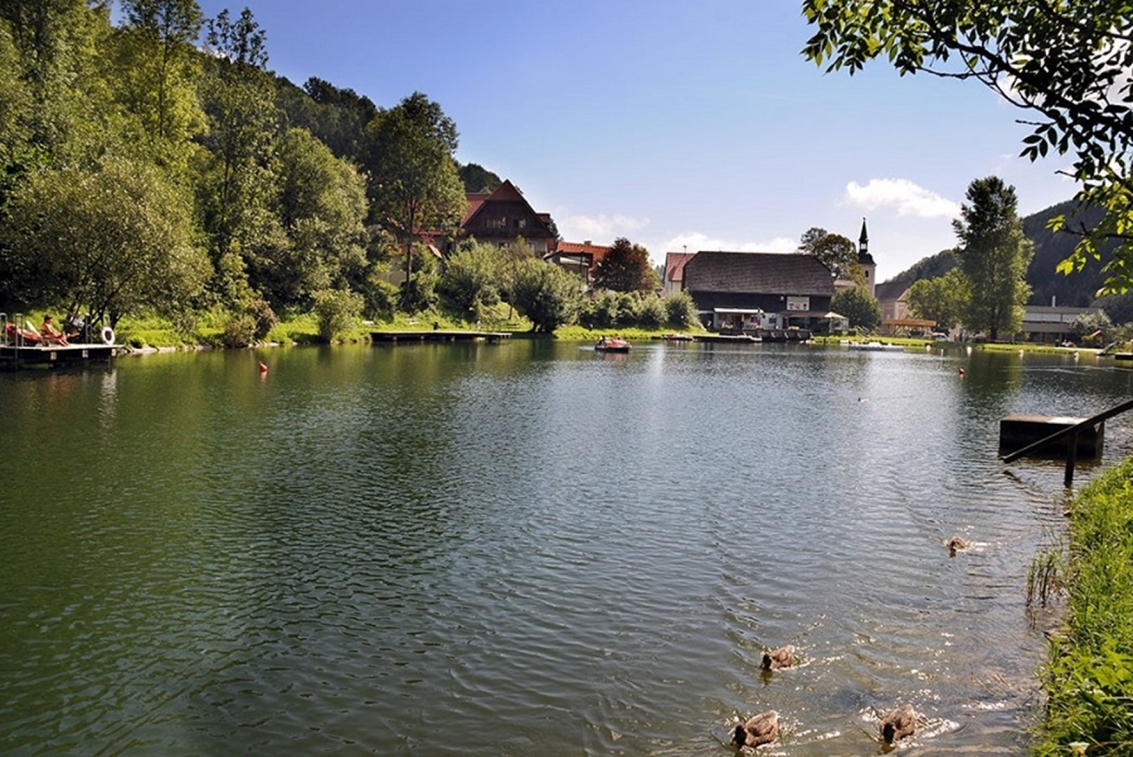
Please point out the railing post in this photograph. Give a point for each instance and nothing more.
(1071, 456)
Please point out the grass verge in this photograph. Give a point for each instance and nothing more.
(1088, 678)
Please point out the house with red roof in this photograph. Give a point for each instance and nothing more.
(502, 216)
(675, 271)
(580, 258)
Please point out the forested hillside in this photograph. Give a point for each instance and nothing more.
(1051, 248)
(156, 165)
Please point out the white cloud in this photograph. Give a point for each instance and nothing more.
(601, 229)
(696, 242)
(903, 195)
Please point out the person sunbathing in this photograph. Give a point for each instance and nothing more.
(50, 334)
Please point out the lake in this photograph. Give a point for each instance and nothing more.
(526, 548)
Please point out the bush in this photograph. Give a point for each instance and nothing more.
(680, 311)
(601, 310)
(239, 330)
(337, 311)
(650, 312)
(380, 298)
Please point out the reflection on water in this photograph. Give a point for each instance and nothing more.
(524, 548)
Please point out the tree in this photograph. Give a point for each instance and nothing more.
(159, 72)
(238, 96)
(414, 186)
(549, 296)
(994, 255)
(835, 251)
(625, 268)
(943, 299)
(317, 214)
(470, 281)
(113, 240)
(477, 179)
(1066, 62)
(859, 306)
(1092, 327)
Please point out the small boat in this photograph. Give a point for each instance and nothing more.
(875, 347)
(678, 337)
(612, 344)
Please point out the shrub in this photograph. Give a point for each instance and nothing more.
(337, 311)
(680, 310)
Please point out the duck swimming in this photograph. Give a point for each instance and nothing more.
(956, 543)
(783, 657)
(759, 729)
(898, 724)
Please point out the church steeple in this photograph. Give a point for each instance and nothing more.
(865, 260)
(863, 246)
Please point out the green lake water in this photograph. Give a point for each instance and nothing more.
(525, 548)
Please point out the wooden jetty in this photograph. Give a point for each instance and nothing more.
(439, 335)
(1072, 433)
(22, 356)
(1017, 432)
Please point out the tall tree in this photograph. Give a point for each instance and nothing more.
(58, 42)
(835, 251)
(316, 233)
(625, 268)
(413, 183)
(994, 256)
(943, 299)
(114, 239)
(159, 72)
(236, 183)
(859, 306)
(1066, 62)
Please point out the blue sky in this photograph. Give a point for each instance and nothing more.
(679, 125)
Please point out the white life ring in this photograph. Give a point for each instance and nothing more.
(107, 335)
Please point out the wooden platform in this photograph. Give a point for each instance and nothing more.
(439, 335)
(1017, 431)
(12, 357)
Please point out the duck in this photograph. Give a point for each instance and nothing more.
(898, 724)
(759, 729)
(957, 543)
(783, 657)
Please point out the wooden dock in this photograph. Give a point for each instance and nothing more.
(1018, 431)
(15, 357)
(439, 335)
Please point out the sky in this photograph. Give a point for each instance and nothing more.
(681, 126)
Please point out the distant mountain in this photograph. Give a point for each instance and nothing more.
(1051, 248)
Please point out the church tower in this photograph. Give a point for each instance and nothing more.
(865, 260)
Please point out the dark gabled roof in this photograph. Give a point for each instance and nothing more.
(891, 291)
(758, 273)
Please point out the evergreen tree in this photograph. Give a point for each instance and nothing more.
(994, 256)
(625, 268)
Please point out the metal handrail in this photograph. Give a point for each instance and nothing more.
(1072, 451)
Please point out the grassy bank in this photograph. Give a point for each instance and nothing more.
(1089, 677)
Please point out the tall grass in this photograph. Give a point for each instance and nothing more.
(1089, 675)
